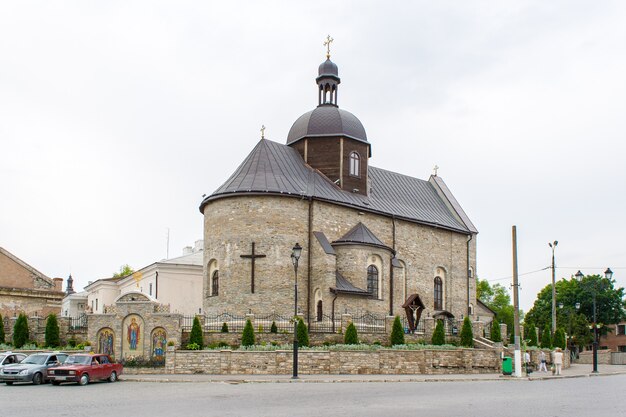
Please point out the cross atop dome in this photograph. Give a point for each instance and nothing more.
(327, 45)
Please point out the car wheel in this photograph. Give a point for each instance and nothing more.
(37, 379)
(113, 377)
(84, 380)
(56, 383)
(9, 382)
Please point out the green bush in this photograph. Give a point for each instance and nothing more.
(351, 337)
(530, 334)
(72, 342)
(559, 338)
(546, 338)
(496, 336)
(247, 338)
(52, 331)
(1, 329)
(397, 332)
(467, 334)
(439, 336)
(196, 336)
(20, 331)
(274, 328)
(225, 327)
(303, 333)
(193, 346)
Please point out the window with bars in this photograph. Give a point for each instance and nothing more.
(372, 280)
(438, 294)
(215, 283)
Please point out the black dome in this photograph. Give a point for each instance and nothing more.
(328, 67)
(327, 120)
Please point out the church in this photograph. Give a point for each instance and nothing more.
(372, 240)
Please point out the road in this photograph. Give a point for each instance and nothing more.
(571, 397)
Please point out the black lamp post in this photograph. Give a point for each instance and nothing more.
(295, 256)
(608, 274)
(553, 247)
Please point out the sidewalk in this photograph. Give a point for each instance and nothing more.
(575, 371)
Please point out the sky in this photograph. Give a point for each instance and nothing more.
(116, 117)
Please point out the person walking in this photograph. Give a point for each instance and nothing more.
(527, 363)
(558, 360)
(542, 362)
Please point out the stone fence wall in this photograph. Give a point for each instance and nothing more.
(69, 328)
(229, 362)
(586, 357)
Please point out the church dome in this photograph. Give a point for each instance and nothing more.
(327, 68)
(327, 120)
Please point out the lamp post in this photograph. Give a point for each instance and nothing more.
(608, 274)
(553, 246)
(295, 256)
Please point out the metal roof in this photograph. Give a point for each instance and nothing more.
(342, 285)
(360, 234)
(274, 168)
(327, 120)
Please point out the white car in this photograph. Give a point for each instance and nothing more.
(9, 358)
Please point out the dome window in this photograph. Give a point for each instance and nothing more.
(355, 164)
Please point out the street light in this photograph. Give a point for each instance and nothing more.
(608, 274)
(553, 246)
(295, 256)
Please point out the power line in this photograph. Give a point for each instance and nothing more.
(550, 267)
(525, 273)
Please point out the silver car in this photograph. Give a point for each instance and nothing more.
(32, 369)
(9, 358)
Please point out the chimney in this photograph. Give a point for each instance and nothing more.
(187, 250)
(198, 246)
(58, 284)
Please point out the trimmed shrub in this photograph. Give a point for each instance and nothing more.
(439, 336)
(559, 338)
(467, 334)
(247, 338)
(52, 331)
(225, 327)
(274, 328)
(496, 336)
(397, 332)
(531, 335)
(193, 346)
(351, 337)
(303, 334)
(20, 331)
(196, 336)
(1, 329)
(546, 338)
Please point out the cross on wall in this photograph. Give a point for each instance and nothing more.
(253, 256)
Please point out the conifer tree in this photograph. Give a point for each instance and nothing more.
(467, 334)
(559, 338)
(303, 334)
(439, 337)
(20, 331)
(224, 327)
(351, 337)
(196, 335)
(52, 331)
(496, 335)
(274, 328)
(546, 338)
(397, 332)
(531, 335)
(1, 329)
(247, 338)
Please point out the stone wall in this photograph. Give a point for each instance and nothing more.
(586, 357)
(228, 362)
(37, 330)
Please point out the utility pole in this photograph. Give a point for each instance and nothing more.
(518, 352)
(553, 246)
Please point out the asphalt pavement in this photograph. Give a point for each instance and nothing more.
(574, 371)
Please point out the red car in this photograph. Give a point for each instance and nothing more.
(83, 368)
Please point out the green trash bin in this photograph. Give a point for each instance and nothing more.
(507, 365)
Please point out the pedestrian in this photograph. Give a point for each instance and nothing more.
(542, 362)
(527, 362)
(558, 360)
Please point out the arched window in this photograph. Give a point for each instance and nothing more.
(319, 310)
(438, 294)
(355, 164)
(215, 283)
(372, 280)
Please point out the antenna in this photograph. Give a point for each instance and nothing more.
(167, 249)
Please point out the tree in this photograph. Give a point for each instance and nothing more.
(546, 338)
(530, 333)
(496, 335)
(274, 328)
(247, 338)
(397, 332)
(559, 338)
(196, 335)
(351, 337)
(303, 333)
(20, 331)
(439, 336)
(1, 329)
(125, 270)
(52, 331)
(467, 335)
(224, 327)
(497, 298)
